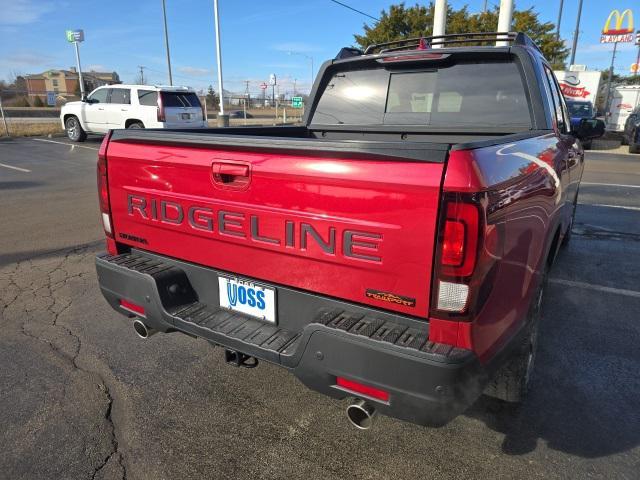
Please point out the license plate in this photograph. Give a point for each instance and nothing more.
(186, 116)
(248, 298)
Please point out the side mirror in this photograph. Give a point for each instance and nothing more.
(589, 128)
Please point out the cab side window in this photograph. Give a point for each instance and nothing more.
(558, 101)
(99, 96)
(121, 96)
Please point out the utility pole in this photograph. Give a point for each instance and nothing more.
(559, 20)
(439, 20)
(166, 40)
(142, 80)
(575, 36)
(606, 102)
(484, 8)
(246, 99)
(504, 20)
(223, 120)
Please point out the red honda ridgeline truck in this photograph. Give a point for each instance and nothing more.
(393, 249)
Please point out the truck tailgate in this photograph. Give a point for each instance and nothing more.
(360, 229)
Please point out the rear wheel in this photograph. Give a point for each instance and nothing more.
(625, 140)
(74, 130)
(512, 381)
(136, 125)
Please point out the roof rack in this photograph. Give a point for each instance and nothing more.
(515, 38)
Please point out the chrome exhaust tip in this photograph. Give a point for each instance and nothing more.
(142, 330)
(361, 414)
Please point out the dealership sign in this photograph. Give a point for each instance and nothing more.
(618, 27)
(579, 85)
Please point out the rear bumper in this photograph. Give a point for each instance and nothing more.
(317, 338)
(178, 125)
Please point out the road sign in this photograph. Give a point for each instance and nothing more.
(263, 86)
(615, 32)
(75, 36)
(272, 79)
(296, 102)
(51, 99)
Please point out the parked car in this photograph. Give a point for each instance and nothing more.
(631, 133)
(132, 106)
(394, 249)
(579, 110)
(239, 114)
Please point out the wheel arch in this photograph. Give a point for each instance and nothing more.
(66, 116)
(129, 121)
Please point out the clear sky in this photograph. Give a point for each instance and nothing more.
(257, 36)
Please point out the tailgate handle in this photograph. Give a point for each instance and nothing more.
(230, 175)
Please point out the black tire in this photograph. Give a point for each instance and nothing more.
(512, 381)
(74, 130)
(625, 140)
(136, 125)
(634, 148)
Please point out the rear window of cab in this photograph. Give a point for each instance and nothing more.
(472, 94)
(180, 99)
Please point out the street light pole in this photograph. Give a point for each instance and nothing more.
(308, 57)
(439, 20)
(79, 69)
(505, 16)
(559, 20)
(575, 35)
(223, 120)
(166, 40)
(606, 102)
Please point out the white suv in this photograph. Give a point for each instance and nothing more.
(132, 106)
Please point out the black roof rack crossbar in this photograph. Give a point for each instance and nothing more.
(515, 38)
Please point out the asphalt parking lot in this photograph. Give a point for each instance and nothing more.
(82, 397)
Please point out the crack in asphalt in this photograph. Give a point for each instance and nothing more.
(600, 233)
(56, 307)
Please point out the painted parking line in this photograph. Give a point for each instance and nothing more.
(15, 168)
(597, 288)
(72, 145)
(623, 207)
(610, 184)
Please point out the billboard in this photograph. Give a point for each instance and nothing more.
(614, 28)
(579, 85)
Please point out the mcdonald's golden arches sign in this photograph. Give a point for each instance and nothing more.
(618, 27)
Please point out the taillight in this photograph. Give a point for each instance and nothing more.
(467, 247)
(457, 251)
(103, 187)
(161, 115)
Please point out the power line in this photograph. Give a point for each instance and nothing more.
(355, 10)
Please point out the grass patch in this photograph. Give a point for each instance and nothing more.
(26, 129)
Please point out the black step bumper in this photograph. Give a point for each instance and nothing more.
(317, 338)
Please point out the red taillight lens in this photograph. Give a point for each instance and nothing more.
(103, 187)
(357, 387)
(459, 238)
(453, 243)
(161, 115)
